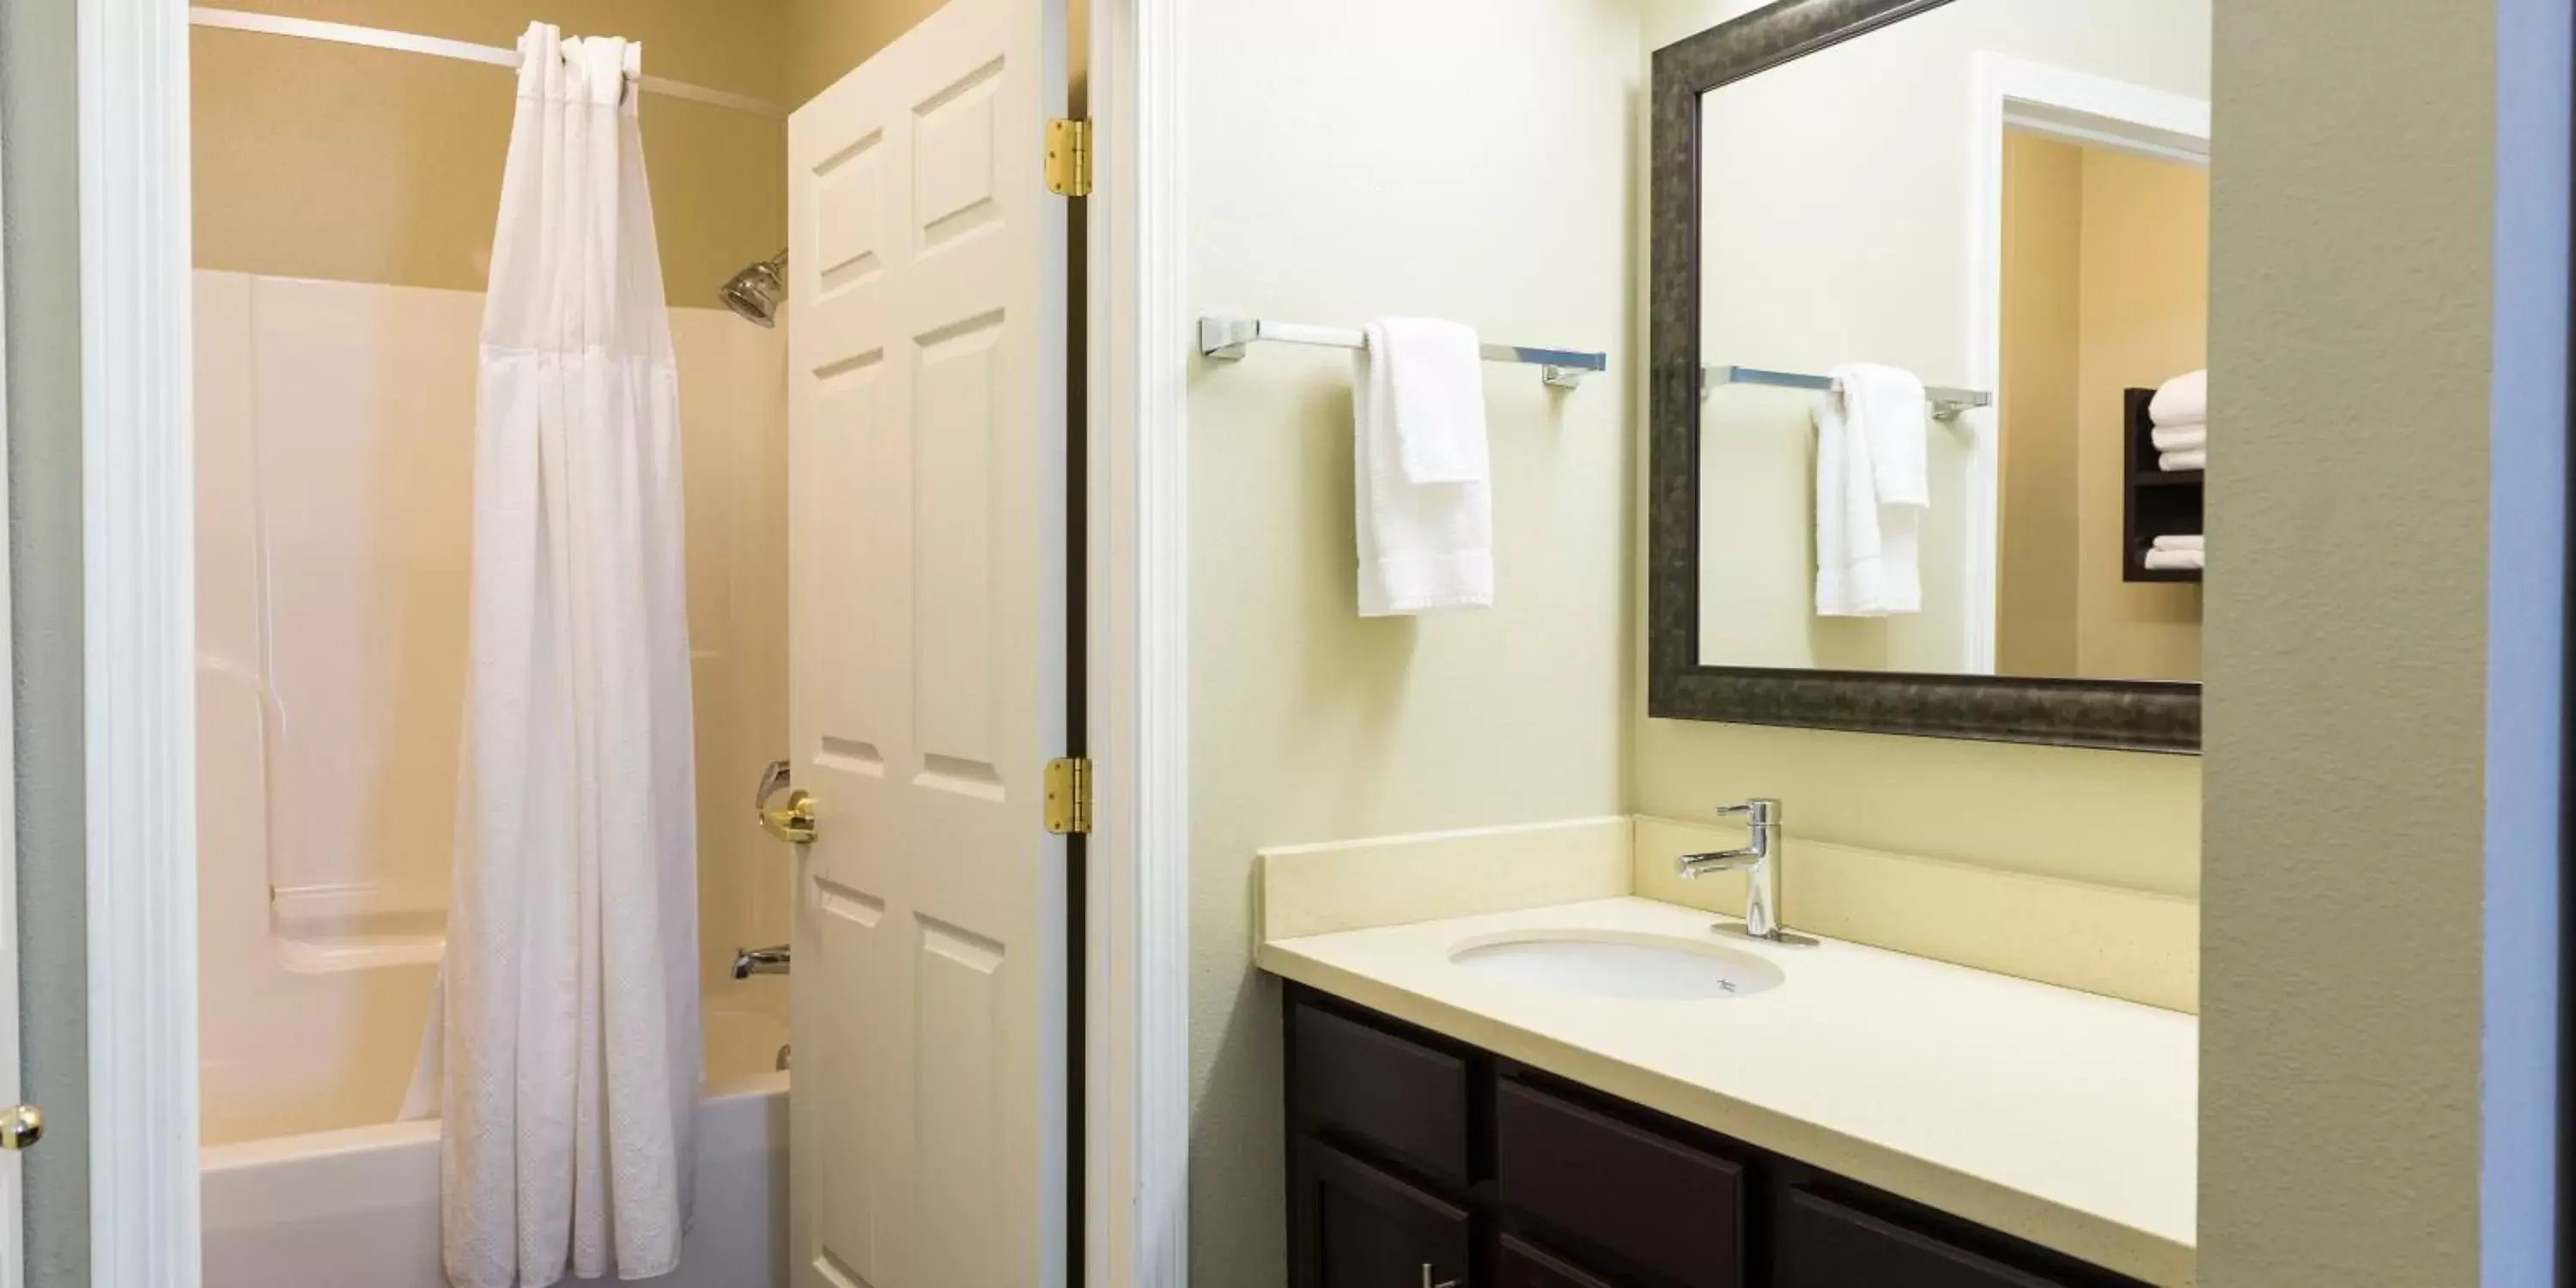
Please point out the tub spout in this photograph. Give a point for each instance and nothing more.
(748, 962)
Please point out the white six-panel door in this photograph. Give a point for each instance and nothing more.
(927, 659)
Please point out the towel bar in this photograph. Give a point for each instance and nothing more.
(1223, 339)
(1946, 403)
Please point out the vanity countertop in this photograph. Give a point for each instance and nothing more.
(2061, 1117)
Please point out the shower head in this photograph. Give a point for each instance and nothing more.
(757, 292)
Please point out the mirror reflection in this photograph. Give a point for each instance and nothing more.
(1954, 317)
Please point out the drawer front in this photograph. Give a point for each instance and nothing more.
(1388, 1091)
(1666, 1207)
(1824, 1244)
(1526, 1267)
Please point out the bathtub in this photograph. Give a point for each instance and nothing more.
(359, 1206)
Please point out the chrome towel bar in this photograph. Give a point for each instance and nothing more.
(1946, 403)
(1223, 339)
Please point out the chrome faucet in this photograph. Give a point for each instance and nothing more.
(1760, 861)
(748, 962)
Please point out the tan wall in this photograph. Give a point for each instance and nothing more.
(333, 161)
(2145, 319)
(2039, 513)
(2106, 288)
(826, 38)
(2353, 220)
(1309, 723)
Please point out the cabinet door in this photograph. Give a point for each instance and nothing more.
(1353, 1226)
(1526, 1267)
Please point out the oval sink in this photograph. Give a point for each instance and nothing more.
(1647, 970)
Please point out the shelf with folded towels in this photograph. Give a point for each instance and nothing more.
(2159, 505)
(1223, 339)
(1947, 404)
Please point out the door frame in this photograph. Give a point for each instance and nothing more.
(2074, 107)
(138, 546)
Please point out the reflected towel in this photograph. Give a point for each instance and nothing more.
(2192, 541)
(1871, 491)
(2195, 459)
(2166, 560)
(2179, 438)
(2183, 400)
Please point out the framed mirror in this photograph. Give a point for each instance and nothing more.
(1929, 314)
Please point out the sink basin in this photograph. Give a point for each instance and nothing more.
(1641, 968)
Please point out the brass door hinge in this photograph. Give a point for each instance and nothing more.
(1068, 162)
(1068, 797)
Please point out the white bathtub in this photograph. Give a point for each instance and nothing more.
(341, 1209)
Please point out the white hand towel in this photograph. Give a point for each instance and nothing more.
(1423, 487)
(2168, 559)
(2183, 400)
(2195, 459)
(2193, 541)
(2179, 438)
(1872, 486)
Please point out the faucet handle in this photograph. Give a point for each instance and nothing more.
(1761, 811)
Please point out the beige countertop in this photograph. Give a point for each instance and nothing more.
(2064, 1118)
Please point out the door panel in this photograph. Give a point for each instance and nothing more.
(926, 439)
(1358, 1227)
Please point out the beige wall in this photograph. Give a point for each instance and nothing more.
(824, 39)
(2145, 319)
(2120, 819)
(334, 161)
(1469, 161)
(2039, 514)
(2353, 220)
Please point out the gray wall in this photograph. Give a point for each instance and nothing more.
(2352, 340)
(39, 147)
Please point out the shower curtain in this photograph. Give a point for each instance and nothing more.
(569, 1072)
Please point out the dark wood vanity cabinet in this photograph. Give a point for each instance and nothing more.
(1416, 1161)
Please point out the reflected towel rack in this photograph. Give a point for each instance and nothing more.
(1223, 339)
(1946, 403)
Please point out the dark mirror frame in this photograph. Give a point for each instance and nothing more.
(2130, 715)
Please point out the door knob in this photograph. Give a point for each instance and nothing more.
(21, 1126)
(792, 822)
(1426, 1279)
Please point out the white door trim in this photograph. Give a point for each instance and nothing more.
(1136, 1038)
(2079, 108)
(138, 537)
(138, 678)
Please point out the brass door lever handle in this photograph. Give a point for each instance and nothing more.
(793, 822)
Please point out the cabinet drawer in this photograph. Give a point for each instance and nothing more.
(1824, 1244)
(1526, 1267)
(1386, 1090)
(1664, 1206)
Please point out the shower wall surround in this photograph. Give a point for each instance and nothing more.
(335, 432)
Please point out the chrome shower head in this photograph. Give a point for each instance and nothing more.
(757, 292)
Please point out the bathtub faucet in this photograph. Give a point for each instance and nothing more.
(748, 962)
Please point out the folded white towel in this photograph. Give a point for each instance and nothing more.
(2179, 438)
(2164, 559)
(2192, 541)
(1424, 496)
(2183, 400)
(1872, 486)
(2195, 459)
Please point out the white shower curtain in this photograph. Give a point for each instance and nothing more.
(570, 1066)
